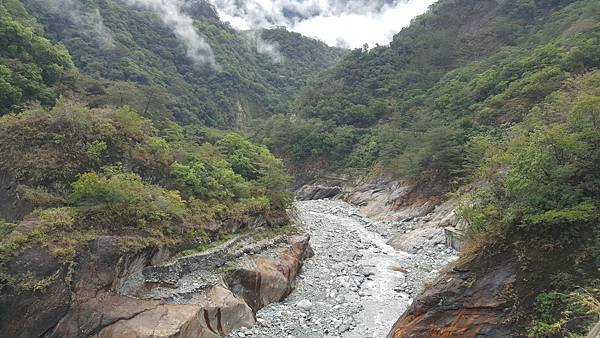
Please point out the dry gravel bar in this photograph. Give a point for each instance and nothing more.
(355, 285)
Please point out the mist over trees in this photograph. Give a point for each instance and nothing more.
(496, 101)
(229, 77)
(108, 112)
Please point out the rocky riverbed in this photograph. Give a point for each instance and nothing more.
(355, 285)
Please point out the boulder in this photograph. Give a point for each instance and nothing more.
(263, 280)
(419, 238)
(304, 304)
(317, 192)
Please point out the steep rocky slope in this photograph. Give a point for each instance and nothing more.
(472, 299)
(146, 293)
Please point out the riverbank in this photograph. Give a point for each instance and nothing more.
(355, 285)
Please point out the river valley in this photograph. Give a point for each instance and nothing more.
(355, 285)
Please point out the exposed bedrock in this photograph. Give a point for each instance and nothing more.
(471, 300)
(114, 294)
(262, 280)
(317, 192)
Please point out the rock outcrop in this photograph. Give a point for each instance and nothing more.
(380, 198)
(317, 192)
(416, 239)
(262, 280)
(31, 313)
(385, 199)
(428, 229)
(142, 294)
(218, 313)
(471, 300)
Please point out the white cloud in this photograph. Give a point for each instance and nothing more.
(88, 20)
(263, 47)
(336, 22)
(183, 26)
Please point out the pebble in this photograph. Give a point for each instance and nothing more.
(304, 304)
(348, 288)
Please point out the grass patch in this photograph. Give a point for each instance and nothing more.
(228, 268)
(270, 233)
(205, 246)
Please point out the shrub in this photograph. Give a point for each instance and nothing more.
(39, 196)
(208, 178)
(124, 200)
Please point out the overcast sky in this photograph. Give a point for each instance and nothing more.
(347, 23)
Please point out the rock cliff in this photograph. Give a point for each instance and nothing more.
(470, 300)
(146, 293)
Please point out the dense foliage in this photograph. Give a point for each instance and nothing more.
(260, 72)
(542, 192)
(500, 98)
(456, 72)
(29, 63)
(81, 172)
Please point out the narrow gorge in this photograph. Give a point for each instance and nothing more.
(342, 270)
(299, 168)
(355, 285)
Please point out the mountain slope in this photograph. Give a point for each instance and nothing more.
(498, 102)
(449, 74)
(30, 65)
(85, 184)
(232, 77)
(495, 100)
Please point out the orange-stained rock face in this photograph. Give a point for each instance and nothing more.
(469, 301)
(464, 324)
(261, 280)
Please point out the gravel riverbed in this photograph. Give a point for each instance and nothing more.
(355, 285)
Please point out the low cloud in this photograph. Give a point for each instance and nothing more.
(172, 14)
(264, 47)
(336, 22)
(87, 20)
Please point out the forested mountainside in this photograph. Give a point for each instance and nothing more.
(465, 68)
(155, 62)
(107, 110)
(91, 151)
(30, 65)
(499, 101)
